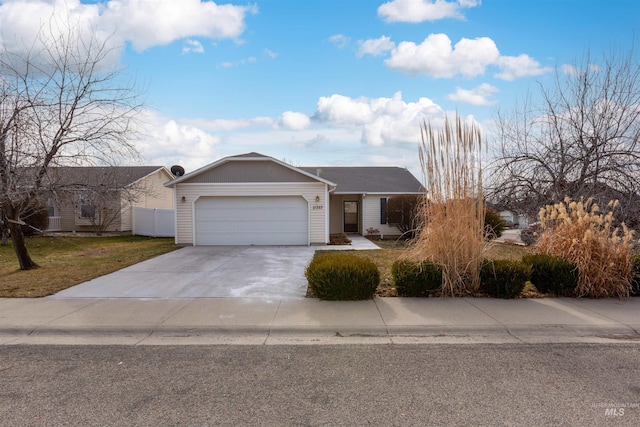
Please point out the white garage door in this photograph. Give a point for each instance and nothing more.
(252, 221)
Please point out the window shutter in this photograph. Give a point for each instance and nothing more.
(383, 210)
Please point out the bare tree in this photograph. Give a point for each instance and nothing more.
(581, 139)
(61, 102)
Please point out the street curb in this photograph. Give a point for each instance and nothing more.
(328, 334)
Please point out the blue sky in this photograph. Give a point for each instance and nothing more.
(330, 82)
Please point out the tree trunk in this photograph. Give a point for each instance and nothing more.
(19, 245)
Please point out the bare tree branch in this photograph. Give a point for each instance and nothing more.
(582, 139)
(60, 103)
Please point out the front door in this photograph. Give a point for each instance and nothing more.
(350, 217)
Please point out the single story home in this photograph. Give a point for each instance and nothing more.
(513, 219)
(85, 198)
(253, 199)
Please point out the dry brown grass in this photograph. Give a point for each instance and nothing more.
(497, 250)
(65, 262)
(579, 233)
(452, 217)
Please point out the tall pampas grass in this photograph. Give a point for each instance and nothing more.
(452, 215)
(579, 233)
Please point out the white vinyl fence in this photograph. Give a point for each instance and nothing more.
(153, 222)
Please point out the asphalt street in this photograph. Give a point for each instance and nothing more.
(505, 384)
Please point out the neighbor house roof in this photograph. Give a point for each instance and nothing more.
(364, 179)
(113, 176)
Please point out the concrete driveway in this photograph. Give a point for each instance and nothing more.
(269, 272)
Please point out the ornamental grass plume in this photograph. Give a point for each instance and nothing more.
(579, 233)
(452, 215)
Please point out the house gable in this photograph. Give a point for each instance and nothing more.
(249, 172)
(248, 168)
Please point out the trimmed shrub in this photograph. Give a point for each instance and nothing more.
(552, 274)
(494, 225)
(340, 277)
(416, 279)
(504, 278)
(635, 282)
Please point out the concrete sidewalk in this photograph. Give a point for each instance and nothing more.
(130, 321)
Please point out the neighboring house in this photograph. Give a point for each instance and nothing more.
(252, 199)
(88, 198)
(513, 219)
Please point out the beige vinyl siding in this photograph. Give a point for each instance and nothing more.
(184, 210)
(249, 171)
(152, 194)
(156, 195)
(371, 215)
(67, 214)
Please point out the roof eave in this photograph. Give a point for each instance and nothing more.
(380, 192)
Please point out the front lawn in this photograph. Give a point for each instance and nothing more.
(68, 261)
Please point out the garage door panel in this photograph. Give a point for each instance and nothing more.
(252, 221)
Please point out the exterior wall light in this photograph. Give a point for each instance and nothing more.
(317, 199)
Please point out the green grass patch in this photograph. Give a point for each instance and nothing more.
(68, 261)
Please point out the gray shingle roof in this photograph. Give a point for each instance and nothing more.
(364, 179)
(113, 176)
(349, 179)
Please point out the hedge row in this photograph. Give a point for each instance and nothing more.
(340, 276)
(501, 278)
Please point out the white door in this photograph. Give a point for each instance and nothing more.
(282, 220)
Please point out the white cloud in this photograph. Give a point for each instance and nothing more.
(435, 56)
(523, 65)
(344, 111)
(316, 141)
(29, 25)
(154, 23)
(225, 125)
(423, 10)
(572, 70)
(375, 47)
(144, 24)
(167, 142)
(271, 54)
(477, 96)
(230, 64)
(380, 120)
(294, 121)
(192, 46)
(340, 40)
